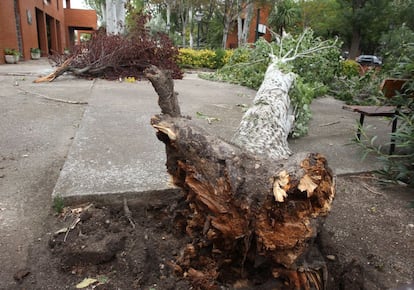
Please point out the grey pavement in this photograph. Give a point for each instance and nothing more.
(115, 151)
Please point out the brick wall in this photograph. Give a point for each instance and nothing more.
(8, 31)
(264, 14)
(35, 17)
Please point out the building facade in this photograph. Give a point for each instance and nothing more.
(47, 24)
(258, 26)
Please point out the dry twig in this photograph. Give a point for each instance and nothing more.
(128, 214)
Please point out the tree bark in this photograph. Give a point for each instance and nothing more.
(164, 86)
(265, 127)
(245, 212)
(115, 16)
(247, 22)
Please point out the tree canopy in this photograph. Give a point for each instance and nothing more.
(360, 24)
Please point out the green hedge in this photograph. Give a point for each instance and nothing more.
(204, 58)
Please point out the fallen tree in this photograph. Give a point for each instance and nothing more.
(117, 56)
(252, 207)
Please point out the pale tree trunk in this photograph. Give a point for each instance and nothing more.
(247, 21)
(265, 127)
(168, 12)
(115, 16)
(190, 20)
(225, 32)
(228, 17)
(239, 25)
(103, 9)
(184, 21)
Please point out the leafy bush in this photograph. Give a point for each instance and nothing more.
(400, 166)
(361, 90)
(246, 66)
(396, 44)
(11, 51)
(204, 58)
(301, 96)
(349, 68)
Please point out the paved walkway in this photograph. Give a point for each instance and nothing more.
(115, 151)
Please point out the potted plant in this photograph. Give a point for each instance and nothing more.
(35, 53)
(11, 55)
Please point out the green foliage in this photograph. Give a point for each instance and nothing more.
(320, 67)
(11, 51)
(246, 66)
(361, 90)
(400, 166)
(301, 95)
(35, 50)
(397, 45)
(204, 58)
(349, 68)
(284, 14)
(323, 16)
(58, 204)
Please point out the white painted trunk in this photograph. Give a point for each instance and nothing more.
(265, 127)
(115, 16)
(168, 15)
(190, 20)
(247, 21)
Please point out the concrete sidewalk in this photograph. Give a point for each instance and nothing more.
(116, 153)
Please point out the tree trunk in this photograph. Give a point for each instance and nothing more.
(245, 213)
(115, 16)
(190, 20)
(247, 21)
(265, 127)
(184, 21)
(356, 39)
(226, 29)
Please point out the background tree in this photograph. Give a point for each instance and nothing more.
(324, 16)
(365, 20)
(100, 7)
(284, 14)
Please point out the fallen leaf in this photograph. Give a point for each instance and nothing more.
(86, 282)
(61, 231)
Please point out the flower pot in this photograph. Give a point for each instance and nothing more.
(35, 55)
(10, 58)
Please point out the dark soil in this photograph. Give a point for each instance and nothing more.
(366, 242)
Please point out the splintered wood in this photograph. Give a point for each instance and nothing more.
(247, 215)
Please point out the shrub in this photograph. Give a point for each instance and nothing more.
(11, 51)
(360, 90)
(349, 68)
(204, 58)
(400, 166)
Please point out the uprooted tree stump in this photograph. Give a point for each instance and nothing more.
(246, 213)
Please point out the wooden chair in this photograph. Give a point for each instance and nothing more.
(390, 88)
